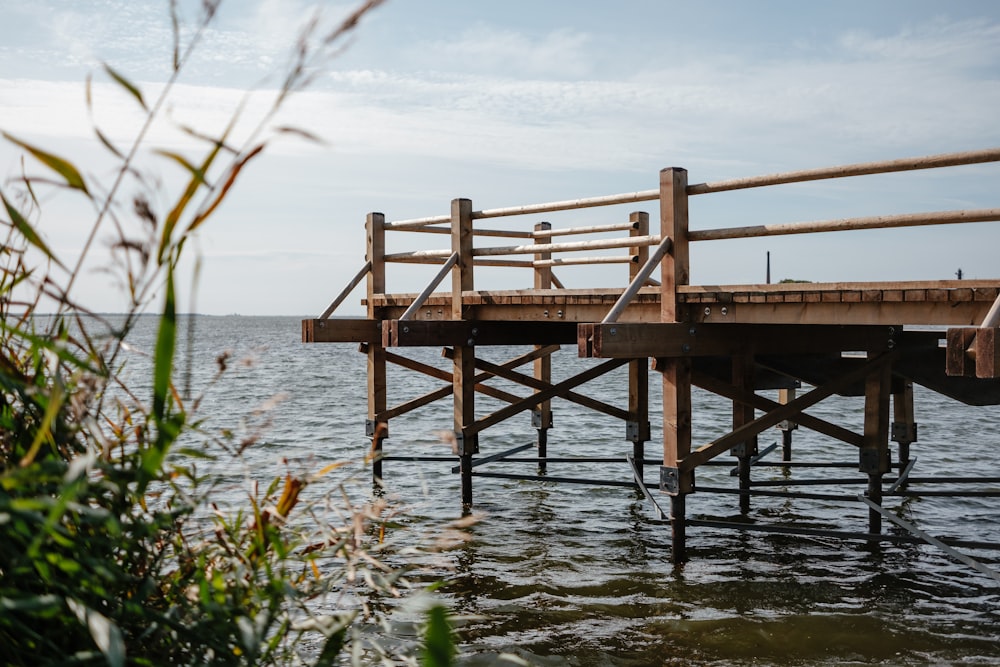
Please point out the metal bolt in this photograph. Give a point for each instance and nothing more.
(725, 311)
(685, 348)
(613, 331)
(559, 313)
(692, 331)
(708, 311)
(545, 313)
(475, 331)
(406, 329)
(470, 342)
(322, 324)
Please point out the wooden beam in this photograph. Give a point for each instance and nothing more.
(958, 361)
(709, 383)
(419, 333)
(541, 385)
(666, 339)
(720, 445)
(987, 353)
(675, 267)
(341, 331)
(544, 395)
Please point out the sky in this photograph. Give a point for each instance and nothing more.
(516, 102)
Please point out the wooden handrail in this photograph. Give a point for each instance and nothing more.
(595, 229)
(419, 301)
(873, 222)
(845, 171)
(347, 290)
(573, 246)
(640, 279)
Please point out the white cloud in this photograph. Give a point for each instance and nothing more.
(562, 53)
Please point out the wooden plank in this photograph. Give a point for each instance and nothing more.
(341, 331)
(676, 374)
(675, 267)
(987, 353)
(407, 333)
(664, 339)
(957, 362)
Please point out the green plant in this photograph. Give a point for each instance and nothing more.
(111, 548)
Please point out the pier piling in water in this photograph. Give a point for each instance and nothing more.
(808, 341)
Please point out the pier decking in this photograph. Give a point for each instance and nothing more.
(868, 339)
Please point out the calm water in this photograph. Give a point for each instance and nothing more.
(581, 575)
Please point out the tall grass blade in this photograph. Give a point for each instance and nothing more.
(439, 645)
(62, 167)
(126, 84)
(27, 231)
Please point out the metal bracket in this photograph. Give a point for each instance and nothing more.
(466, 446)
(904, 432)
(786, 425)
(536, 419)
(371, 425)
(670, 480)
(742, 449)
(636, 432)
(872, 461)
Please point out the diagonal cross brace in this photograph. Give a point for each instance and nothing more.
(719, 387)
(446, 376)
(544, 395)
(781, 413)
(535, 383)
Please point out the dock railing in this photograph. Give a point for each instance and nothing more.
(542, 251)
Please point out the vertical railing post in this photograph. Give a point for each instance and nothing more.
(377, 384)
(637, 428)
(464, 363)
(874, 456)
(541, 417)
(676, 371)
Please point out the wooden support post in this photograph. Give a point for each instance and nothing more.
(637, 428)
(904, 427)
(541, 416)
(874, 458)
(464, 360)
(787, 426)
(677, 370)
(743, 369)
(377, 384)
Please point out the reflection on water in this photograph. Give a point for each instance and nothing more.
(577, 575)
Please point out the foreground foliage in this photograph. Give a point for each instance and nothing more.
(112, 547)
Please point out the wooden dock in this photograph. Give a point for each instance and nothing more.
(870, 339)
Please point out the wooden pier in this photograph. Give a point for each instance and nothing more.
(807, 341)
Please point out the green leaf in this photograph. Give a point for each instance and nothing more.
(181, 160)
(439, 645)
(163, 359)
(27, 231)
(331, 649)
(107, 144)
(57, 164)
(126, 84)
